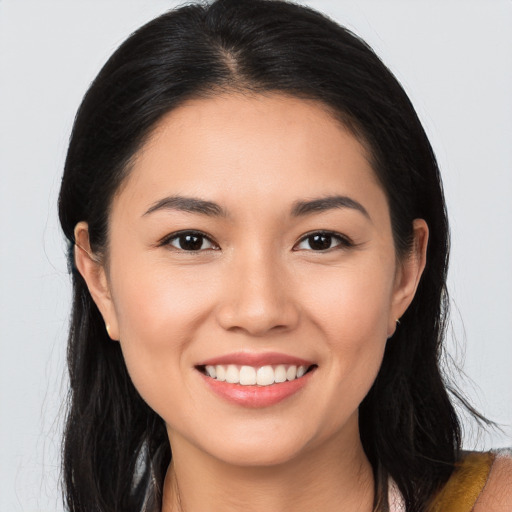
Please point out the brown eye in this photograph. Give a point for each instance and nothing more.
(323, 241)
(190, 241)
(320, 242)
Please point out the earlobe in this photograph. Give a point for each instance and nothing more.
(93, 271)
(409, 274)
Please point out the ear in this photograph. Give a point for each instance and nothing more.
(408, 274)
(93, 271)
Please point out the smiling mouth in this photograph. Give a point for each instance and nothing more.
(255, 376)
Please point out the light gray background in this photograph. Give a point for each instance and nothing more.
(453, 57)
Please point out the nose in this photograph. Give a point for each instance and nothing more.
(258, 298)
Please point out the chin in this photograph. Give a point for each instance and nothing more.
(259, 454)
(262, 444)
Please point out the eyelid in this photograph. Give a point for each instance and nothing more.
(166, 240)
(345, 241)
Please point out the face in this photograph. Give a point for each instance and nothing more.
(251, 244)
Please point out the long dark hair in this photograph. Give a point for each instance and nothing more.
(116, 449)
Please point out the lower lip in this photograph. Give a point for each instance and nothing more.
(257, 396)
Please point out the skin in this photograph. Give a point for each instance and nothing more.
(258, 286)
(497, 493)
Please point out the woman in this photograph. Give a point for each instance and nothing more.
(259, 249)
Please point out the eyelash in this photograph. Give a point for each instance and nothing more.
(167, 241)
(343, 241)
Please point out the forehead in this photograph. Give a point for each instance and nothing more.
(272, 148)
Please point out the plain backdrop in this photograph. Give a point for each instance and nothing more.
(453, 57)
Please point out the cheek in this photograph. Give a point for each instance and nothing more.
(158, 309)
(353, 305)
(352, 310)
(155, 302)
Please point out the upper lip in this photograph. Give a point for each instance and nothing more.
(256, 359)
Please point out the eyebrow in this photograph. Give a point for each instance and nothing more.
(188, 204)
(323, 204)
(299, 208)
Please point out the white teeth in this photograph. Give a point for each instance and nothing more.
(291, 373)
(221, 373)
(280, 374)
(232, 374)
(249, 375)
(265, 376)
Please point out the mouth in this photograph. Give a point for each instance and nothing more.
(256, 380)
(261, 376)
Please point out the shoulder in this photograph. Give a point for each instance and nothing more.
(481, 482)
(496, 496)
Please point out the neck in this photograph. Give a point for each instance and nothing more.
(334, 477)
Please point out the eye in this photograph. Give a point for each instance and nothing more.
(323, 241)
(191, 241)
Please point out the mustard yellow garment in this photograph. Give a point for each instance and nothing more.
(465, 485)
